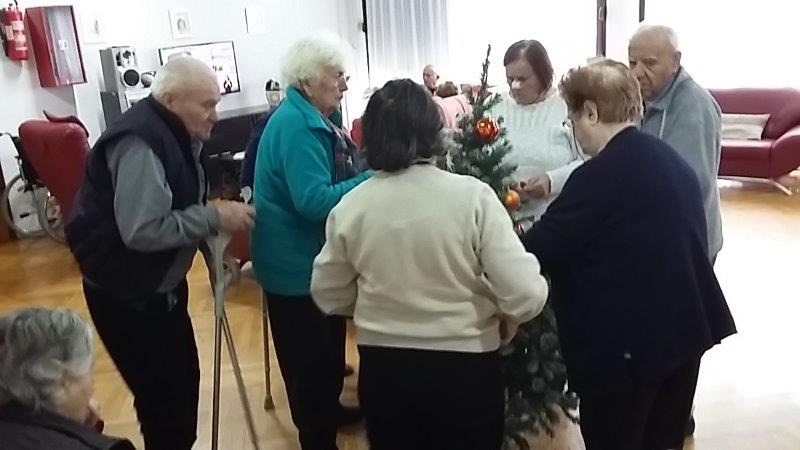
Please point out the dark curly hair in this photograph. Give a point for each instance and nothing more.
(401, 125)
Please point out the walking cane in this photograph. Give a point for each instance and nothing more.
(220, 281)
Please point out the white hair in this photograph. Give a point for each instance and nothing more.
(669, 33)
(177, 73)
(38, 347)
(308, 57)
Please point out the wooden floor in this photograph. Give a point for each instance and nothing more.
(749, 390)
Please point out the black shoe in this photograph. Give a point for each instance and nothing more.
(349, 416)
(690, 426)
(348, 370)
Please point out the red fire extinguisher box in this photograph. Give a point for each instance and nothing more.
(54, 38)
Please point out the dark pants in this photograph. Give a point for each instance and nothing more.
(647, 416)
(310, 350)
(154, 350)
(437, 400)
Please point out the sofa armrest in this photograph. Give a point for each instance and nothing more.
(785, 155)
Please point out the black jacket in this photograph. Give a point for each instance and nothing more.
(625, 246)
(248, 174)
(92, 231)
(22, 429)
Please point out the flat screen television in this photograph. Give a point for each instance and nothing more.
(219, 56)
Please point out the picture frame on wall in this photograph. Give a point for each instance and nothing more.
(180, 23)
(94, 26)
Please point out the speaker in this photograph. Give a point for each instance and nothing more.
(120, 69)
(124, 84)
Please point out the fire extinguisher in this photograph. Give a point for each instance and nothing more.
(14, 41)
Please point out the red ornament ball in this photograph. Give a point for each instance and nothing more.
(487, 129)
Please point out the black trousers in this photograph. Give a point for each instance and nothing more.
(154, 350)
(437, 400)
(310, 350)
(648, 416)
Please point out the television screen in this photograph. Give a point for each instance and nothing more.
(219, 56)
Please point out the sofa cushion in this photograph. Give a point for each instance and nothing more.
(743, 126)
(783, 106)
(786, 119)
(744, 149)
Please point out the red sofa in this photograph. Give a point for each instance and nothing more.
(778, 151)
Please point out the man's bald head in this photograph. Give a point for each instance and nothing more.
(654, 56)
(188, 88)
(429, 77)
(180, 73)
(662, 34)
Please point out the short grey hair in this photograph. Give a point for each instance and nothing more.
(308, 57)
(176, 73)
(38, 347)
(668, 32)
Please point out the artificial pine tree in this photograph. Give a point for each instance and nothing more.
(533, 368)
(482, 142)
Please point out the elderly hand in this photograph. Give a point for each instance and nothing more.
(536, 187)
(234, 216)
(507, 331)
(93, 420)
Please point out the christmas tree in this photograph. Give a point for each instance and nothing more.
(533, 369)
(482, 143)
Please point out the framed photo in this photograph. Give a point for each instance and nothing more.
(180, 24)
(219, 56)
(94, 26)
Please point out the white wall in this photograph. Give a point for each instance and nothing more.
(724, 44)
(729, 44)
(350, 28)
(146, 27)
(566, 28)
(622, 21)
(258, 56)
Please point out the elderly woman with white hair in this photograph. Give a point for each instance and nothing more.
(46, 384)
(304, 166)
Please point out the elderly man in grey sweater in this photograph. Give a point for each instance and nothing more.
(682, 113)
(138, 220)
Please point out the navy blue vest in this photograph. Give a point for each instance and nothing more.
(92, 231)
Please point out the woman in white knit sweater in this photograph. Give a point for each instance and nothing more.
(544, 149)
(430, 268)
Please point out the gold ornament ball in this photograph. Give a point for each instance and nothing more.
(512, 200)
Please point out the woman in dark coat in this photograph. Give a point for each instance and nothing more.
(635, 295)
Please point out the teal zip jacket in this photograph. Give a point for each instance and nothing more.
(293, 194)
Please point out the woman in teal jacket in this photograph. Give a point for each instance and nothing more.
(304, 166)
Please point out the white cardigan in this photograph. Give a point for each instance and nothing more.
(540, 144)
(426, 259)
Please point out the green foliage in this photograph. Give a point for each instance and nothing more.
(535, 378)
(475, 157)
(533, 369)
